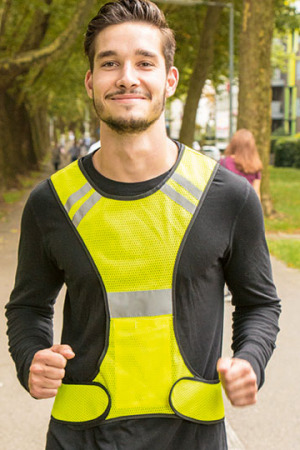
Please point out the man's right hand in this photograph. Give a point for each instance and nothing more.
(47, 370)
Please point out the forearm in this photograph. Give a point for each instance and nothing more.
(28, 331)
(29, 311)
(254, 334)
(249, 277)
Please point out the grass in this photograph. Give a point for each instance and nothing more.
(285, 193)
(13, 195)
(287, 250)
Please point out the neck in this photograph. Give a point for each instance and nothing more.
(135, 157)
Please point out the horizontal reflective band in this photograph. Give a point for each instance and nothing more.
(186, 184)
(140, 303)
(77, 196)
(85, 207)
(197, 400)
(178, 198)
(81, 402)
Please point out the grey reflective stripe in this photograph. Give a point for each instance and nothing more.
(77, 196)
(178, 198)
(85, 207)
(140, 303)
(186, 184)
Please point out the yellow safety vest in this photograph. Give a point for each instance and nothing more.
(134, 243)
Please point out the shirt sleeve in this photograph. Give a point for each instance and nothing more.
(29, 311)
(248, 274)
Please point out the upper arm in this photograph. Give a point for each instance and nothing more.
(256, 186)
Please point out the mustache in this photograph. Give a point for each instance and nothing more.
(131, 92)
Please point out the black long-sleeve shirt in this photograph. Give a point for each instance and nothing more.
(226, 243)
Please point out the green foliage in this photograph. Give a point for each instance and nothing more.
(187, 22)
(287, 152)
(60, 85)
(284, 190)
(279, 55)
(286, 17)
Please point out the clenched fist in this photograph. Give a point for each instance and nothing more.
(238, 380)
(47, 370)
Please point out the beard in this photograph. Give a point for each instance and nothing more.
(129, 125)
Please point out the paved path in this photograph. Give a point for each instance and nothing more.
(273, 424)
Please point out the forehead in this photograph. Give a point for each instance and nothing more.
(128, 37)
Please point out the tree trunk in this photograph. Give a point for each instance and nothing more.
(202, 65)
(15, 140)
(24, 136)
(255, 82)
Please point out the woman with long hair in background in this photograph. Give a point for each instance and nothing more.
(242, 158)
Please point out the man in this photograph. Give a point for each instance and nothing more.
(144, 232)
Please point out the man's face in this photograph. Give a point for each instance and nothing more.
(129, 83)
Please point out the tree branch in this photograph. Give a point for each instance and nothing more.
(14, 66)
(36, 30)
(4, 9)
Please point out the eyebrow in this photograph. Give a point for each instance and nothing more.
(146, 53)
(139, 52)
(106, 54)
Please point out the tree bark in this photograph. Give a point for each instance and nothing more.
(16, 155)
(24, 136)
(201, 68)
(255, 82)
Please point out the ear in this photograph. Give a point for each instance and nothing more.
(89, 83)
(172, 81)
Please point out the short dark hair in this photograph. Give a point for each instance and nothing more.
(122, 11)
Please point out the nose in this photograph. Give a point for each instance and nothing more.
(128, 77)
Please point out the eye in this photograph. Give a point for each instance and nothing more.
(146, 64)
(109, 64)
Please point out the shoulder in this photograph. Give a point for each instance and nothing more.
(41, 200)
(41, 192)
(230, 185)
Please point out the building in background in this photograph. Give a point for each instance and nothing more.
(212, 119)
(286, 85)
(286, 89)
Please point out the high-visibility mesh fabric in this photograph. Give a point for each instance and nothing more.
(79, 403)
(142, 363)
(134, 245)
(61, 181)
(198, 400)
(196, 167)
(119, 241)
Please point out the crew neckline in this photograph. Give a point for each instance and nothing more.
(112, 188)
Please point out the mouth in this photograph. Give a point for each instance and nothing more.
(127, 98)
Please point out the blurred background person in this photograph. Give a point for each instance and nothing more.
(242, 158)
(74, 151)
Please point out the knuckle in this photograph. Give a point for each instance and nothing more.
(39, 355)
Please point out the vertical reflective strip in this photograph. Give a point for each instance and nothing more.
(77, 196)
(178, 198)
(85, 207)
(140, 303)
(186, 184)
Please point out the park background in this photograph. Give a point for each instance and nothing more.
(239, 66)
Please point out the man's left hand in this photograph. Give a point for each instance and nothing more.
(238, 380)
